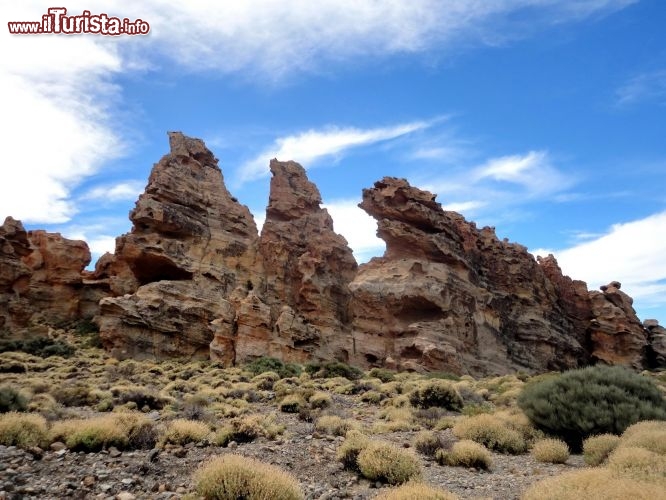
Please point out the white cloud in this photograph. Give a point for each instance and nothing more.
(631, 253)
(308, 147)
(650, 86)
(465, 207)
(358, 228)
(128, 190)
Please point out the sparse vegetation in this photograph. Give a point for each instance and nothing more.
(597, 448)
(465, 453)
(381, 461)
(22, 430)
(554, 451)
(436, 393)
(11, 399)
(182, 431)
(233, 477)
(415, 490)
(491, 432)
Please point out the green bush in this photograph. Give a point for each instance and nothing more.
(594, 400)
(43, 347)
(382, 374)
(11, 400)
(268, 364)
(333, 369)
(436, 393)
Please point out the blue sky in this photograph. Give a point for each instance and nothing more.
(543, 118)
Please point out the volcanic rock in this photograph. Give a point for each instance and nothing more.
(40, 279)
(191, 246)
(448, 296)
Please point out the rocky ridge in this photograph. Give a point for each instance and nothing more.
(195, 279)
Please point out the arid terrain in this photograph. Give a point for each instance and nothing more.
(291, 416)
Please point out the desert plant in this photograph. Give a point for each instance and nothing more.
(427, 443)
(491, 432)
(415, 490)
(292, 403)
(381, 461)
(334, 425)
(182, 431)
(349, 450)
(465, 453)
(650, 435)
(247, 429)
(438, 393)
(11, 399)
(594, 400)
(597, 448)
(553, 451)
(638, 463)
(91, 434)
(333, 369)
(268, 364)
(382, 374)
(320, 399)
(233, 477)
(598, 483)
(22, 429)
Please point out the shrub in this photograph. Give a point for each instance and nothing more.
(552, 451)
(182, 431)
(413, 490)
(11, 399)
(638, 463)
(427, 443)
(23, 430)
(491, 432)
(320, 400)
(91, 434)
(334, 425)
(43, 347)
(265, 380)
(349, 450)
(268, 364)
(73, 394)
(597, 483)
(233, 477)
(437, 393)
(597, 448)
(141, 396)
(382, 374)
(334, 369)
(594, 400)
(292, 403)
(247, 429)
(465, 453)
(428, 417)
(650, 435)
(385, 462)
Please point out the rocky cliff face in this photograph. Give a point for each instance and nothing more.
(448, 296)
(191, 247)
(194, 279)
(41, 281)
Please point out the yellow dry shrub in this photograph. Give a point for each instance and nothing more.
(414, 490)
(650, 435)
(597, 448)
(182, 431)
(592, 484)
(465, 453)
(22, 429)
(292, 403)
(644, 426)
(232, 477)
(320, 399)
(553, 451)
(334, 425)
(382, 461)
(348, 452)
(491, 432)
(638, 463)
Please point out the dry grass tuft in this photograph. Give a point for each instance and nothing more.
(491, 432)
(23, 430)
(182, 431)
(597, 448)
(381, 461)
(414, 490)
(233, 477)
(466, 453)
(552, 451)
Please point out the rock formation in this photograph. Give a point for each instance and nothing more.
(41, 281)
(191, 247)
(448, 296)
(194, 279)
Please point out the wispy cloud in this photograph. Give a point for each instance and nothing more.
(310, 146)
(499, 183)
(650, 86)
(122, 191)
(631, 252)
